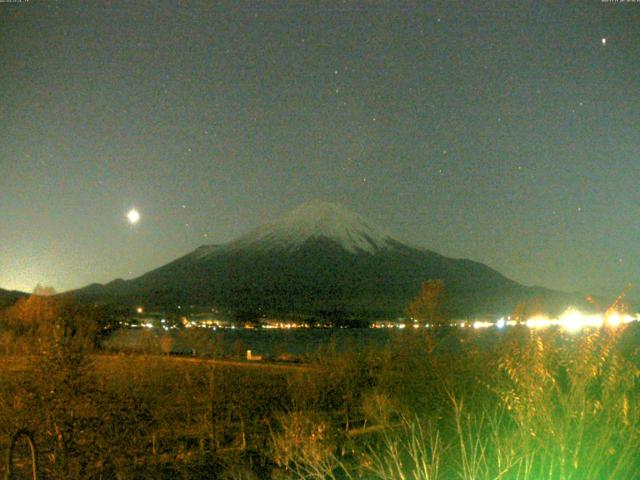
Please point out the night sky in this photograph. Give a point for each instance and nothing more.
(506, 132)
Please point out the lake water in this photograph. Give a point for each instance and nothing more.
(275, 342)
(272, 343)
(268, 342)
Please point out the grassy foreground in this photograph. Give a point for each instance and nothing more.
(470, 405)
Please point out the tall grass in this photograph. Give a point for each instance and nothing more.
(573, 405)
(559, 407)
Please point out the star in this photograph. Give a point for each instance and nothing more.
(604, 41)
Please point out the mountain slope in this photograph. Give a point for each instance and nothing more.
(320, 259)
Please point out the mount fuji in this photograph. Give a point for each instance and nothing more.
(320, 260)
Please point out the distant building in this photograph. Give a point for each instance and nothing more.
(252, 357)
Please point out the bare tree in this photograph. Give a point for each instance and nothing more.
(29, 315)
(427, 305)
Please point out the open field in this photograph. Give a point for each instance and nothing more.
(527, 405)
(106, 363)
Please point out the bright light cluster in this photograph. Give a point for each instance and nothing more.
(571, 320)
(481, 324)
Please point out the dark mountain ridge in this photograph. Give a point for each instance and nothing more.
(9, 297)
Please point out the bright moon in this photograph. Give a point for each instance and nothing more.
(133, 216)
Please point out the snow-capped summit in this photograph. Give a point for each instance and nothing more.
(312, 221)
